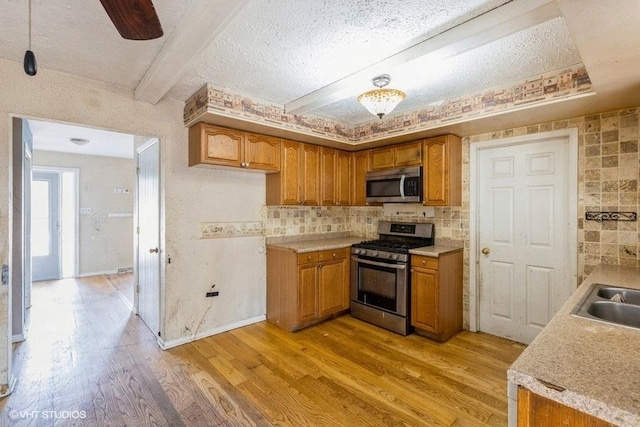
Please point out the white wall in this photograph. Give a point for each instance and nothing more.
(191, 196)
(105, 243)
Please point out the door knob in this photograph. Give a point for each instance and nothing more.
(486, 251)
(154, 251)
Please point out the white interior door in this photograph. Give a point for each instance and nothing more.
(148, 271)
(524, 236)
(26, 254)
(45, 226)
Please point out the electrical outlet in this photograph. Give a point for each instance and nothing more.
(85, 211)
(212, 294)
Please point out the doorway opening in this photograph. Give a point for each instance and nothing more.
(78, 214)
(54, 223)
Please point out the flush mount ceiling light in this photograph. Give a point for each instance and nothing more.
(79, 141)
(381, 101)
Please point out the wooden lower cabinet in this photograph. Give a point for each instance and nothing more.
(535, 410)
(305, 288)
(436, 295)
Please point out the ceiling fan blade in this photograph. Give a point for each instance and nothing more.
(134, 19)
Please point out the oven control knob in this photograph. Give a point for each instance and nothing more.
(356, 251)
(395, 256)
(374, 253)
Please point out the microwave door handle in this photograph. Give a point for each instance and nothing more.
(380, 264)
(402, 178)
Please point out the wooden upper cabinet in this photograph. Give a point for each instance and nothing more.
(261, 152)
(285, 188)
(328, 176)
(359, 169)
(343, 178)
(215, 145)
(310, 175)
(381, 158)
(409, 154)
(298, 182)
(442, 171)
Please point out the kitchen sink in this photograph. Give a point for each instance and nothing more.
(616, 312)
(631, 296)
(611, 304)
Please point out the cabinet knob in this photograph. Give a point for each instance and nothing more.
(301, 202)
(424, 262)
(309, 258)
(334, 255)
(246, 165)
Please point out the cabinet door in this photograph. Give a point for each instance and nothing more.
(359, 169)
(219, 146)
(343, 178)
(307, 292)
(424, 299)
(408, 154)
(381, 158)
(290, 178)
(261, 152)
(328, 176)
(442, 171)
(310, 174)
(333, 287)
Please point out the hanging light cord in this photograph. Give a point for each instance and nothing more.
(29, 24)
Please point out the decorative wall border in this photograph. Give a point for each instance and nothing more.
(217, 230)
(552, 86)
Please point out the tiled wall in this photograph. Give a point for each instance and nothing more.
(608, 173)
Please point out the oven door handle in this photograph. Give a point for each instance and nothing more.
(402, 178)
(380, 264)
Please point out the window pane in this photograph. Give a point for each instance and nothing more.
(40, 230)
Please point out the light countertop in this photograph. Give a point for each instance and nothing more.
(318, 244)
(434, 251)
(594, 365)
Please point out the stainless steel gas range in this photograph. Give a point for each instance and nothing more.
(380, 278)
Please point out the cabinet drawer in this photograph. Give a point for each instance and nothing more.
(332, 254)
(424, 262)
(307, 257)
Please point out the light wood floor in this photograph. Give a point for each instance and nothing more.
(86, 352)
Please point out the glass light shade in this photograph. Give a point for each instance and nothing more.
(381, 101)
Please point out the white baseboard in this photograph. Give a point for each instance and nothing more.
(9, 387)
(174, 343)
(97, 273)
(18, 337)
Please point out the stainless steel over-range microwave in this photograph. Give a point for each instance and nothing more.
(396, 185)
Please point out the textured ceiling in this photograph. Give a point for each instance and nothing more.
(280, 50)
(77, 37)
(544, 47)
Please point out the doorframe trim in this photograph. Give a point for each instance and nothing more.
(570, 135)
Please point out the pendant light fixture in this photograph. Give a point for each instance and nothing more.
(381, 101)
(30, 65)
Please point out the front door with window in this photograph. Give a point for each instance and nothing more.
(45, 226)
